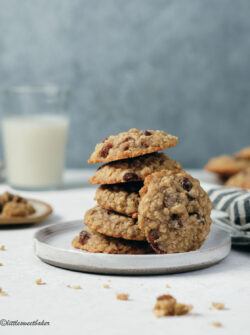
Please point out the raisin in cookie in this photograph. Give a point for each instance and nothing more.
(122, 198)
(174, 212)
(244, 153)
(241, 180)
(92, 241)
(130, 144)
(134, 169)
(113, 224)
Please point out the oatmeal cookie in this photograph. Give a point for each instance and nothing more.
(17, 209)
(91, 241)
(122, 198)
(244, 153)
(241, 180)
(130, 144)
(226, 165)
(134, 169)
(174, 212)
(113, 224)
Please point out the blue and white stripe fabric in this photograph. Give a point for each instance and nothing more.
(236, 203)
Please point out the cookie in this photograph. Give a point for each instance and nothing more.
(121, 198)
(17, 209)
(130, 144)
(226, 165)
(134, 169)
(241, 180)
(174, 212)
(91, 241)
(244, 153)
(113, 224)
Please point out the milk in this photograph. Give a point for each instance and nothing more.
(35, 150)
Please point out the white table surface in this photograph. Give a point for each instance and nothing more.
(94, 309)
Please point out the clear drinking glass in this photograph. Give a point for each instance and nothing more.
(34, 131)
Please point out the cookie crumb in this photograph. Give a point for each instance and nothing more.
(2, 293)
(218, 305)
(1, 264)
(166, 305)
(106, 286)
(109, 281)
(2, 248)
(75, 287)
(122, 296)
(217, 324)
(40, 282)
(167, 286)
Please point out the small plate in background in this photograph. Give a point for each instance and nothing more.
(42, 210)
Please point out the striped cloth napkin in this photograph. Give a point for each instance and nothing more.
(236, 203)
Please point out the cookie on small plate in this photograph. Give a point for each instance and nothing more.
(130, 144)
(121, 198)
(174, 212)
(113, 224)
(91, 241)
(241, 180)
(134, 169)
(226, 165)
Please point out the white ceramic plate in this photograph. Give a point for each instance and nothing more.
(53, 246)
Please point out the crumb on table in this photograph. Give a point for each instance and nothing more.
(166, 305)
(2, 293)
(40, 282)
(106, 286)
(217, 324)
(218, 305)
(75, 287)
(122, 296)
(2, 248)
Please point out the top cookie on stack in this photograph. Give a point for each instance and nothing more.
(131, 144)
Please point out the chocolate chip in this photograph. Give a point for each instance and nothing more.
(186, 184)
(177, 223)
(104, 139)
(84, 236)
(190, 197)
(146, 133)
(105, 150)
(153, 236)
(130, 176)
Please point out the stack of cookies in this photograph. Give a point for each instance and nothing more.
(145, 202)
(233, 171)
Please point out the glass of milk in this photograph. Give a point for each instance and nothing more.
(34, 140)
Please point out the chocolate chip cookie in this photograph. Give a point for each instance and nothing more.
(134, 169)
(130, 144)
(241, 180)
(113, 224)
(122, 198)
(226, 165)
(174, 212)
(91, 241)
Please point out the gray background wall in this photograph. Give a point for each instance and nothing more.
(180, 66)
